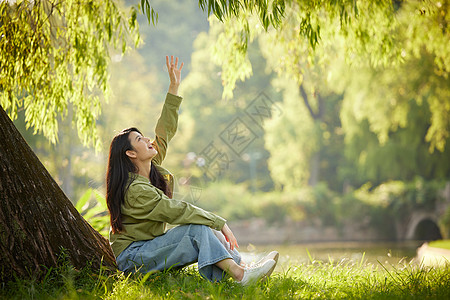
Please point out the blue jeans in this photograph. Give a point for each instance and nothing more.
(179, 247)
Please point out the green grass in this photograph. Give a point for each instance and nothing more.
(315, 280)
(444, 244)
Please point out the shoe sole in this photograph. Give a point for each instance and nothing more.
(265, 277)
(276, 258)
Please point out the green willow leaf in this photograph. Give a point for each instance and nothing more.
(55, 55)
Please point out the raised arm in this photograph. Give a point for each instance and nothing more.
(168, 121)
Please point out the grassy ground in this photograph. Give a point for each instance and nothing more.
(315, 280)
(444, 244)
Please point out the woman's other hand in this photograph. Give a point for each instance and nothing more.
(229, 236)
(174, 74)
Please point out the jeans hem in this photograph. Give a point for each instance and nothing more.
(214, 261)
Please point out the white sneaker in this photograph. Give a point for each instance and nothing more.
(258, 272)
(272, 255)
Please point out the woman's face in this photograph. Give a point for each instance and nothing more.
(142, 147)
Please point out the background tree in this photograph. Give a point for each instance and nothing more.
(381, 36)
(405, 98)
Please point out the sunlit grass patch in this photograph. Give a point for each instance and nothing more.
(444, 244)
(352, 281)
(314, 280)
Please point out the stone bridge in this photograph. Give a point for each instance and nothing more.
(424, 224)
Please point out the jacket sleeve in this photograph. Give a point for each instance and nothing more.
(153, 204)
(166, 127)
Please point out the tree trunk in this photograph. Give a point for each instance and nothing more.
(314, 164)
(314, 168)
(36, 217)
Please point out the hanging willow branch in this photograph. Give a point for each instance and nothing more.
(56, 53)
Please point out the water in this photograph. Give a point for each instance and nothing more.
(375, 253)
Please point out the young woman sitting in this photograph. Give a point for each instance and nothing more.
(139, 198)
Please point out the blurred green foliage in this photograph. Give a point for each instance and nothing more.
(92, 206)
(362, 93)
(376, 207)
(376, 36)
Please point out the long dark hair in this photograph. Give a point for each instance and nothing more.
(117, 177)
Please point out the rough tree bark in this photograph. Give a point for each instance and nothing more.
(36, 217)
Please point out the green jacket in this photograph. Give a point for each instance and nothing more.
(146, 209)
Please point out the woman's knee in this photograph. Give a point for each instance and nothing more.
(195, 229)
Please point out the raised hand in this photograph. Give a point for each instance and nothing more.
(174, 74)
